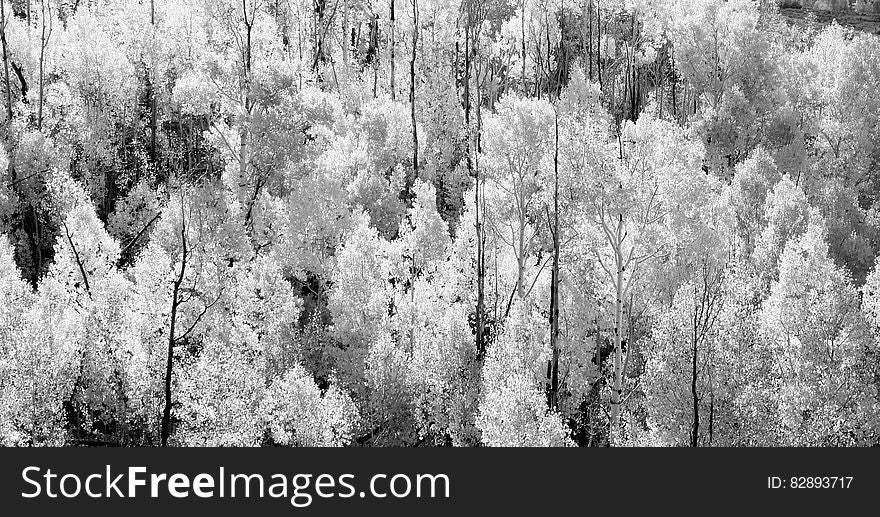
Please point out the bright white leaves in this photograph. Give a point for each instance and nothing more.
(133, 218)
(443, 373)
(95, 65)
(220, 392)
(513, 410)
(710, 37)
(66, 345)
(388, 393)
(516, 144)
(298, 414)
(814, 328)
(425, 238)
(432, 321)
(786, 216)
(317, 218)
(844, 77)
(82, 299)
(871, 300)
(752, 182)
(371, 157)
(223, 376)
(15, 300)
(663, 180)
(308, 281)
(357, 299)
(687, 327)
(193, 94)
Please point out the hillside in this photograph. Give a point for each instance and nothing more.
(866, 21)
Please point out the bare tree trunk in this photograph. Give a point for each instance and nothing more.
(244, 129)
(473, 168)
(621, 288)
(412, 101)
(590, 38)
(467, 88)
(172, 338)
(153, 83)
(661, 63)
(617, 382)
(599, 41)
(299, 44)
(674, 84)
(554, 280)
(480, 208)
(372, 52)
(523, 28)
(346, 37)
(5, 63)
(520, 250)
(393, 94)
(695, 430)
(711, 413)
(45, 12)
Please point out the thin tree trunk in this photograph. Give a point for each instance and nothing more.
(45, 12)
(617, 386)
(153, 83)
(372, 52)
(520, 251)
(554, 282)
(590, 40)
(5, 63)
(393, 94)
(674, 85)
(599, 41)
(523, 24)
(695, 430)
(481, 249)
(244, 129)
(175, 305)
(346, 37)
(412, 101)
(711, 415)
(473, 166)
(299, 44)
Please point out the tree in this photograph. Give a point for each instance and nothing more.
(5, 61)
(640, 208)
(15, 301)
(718, 47)
(752, 182)
(871, 299)
(199, 260)
(246, 347)
(681, 362)
(357, 298)
(812, 324)
(786, 216)
(412, 93)
(514, 412)
(46, 22)
(298, 414)
(514, 147)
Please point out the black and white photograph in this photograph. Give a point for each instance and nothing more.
(438, 223)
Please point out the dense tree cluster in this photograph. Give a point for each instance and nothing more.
(437, 222)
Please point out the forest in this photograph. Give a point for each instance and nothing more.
(437, 223)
